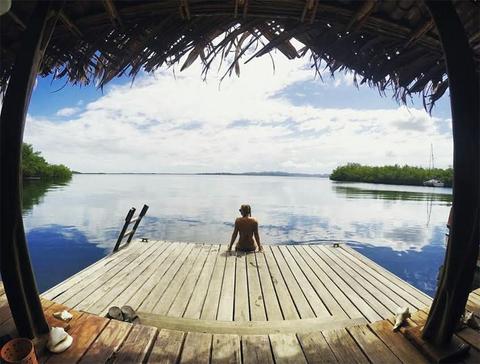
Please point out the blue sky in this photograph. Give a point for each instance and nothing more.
(264, 120)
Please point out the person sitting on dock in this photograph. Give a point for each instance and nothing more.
(247, 226)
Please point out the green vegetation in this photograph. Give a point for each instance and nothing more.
(394, 175)
(35, 166)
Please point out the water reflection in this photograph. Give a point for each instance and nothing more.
(419, 268)
(357, 192)
(393, 221)
(34, 190)
(58, 251)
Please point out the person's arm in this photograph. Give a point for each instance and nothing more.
(257, 237)
(234, 236)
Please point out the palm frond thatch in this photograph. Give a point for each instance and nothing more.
(387, 44)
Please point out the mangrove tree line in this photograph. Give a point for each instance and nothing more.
(398, 175)
(35, 166)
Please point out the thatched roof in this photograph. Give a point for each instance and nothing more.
(391, 43)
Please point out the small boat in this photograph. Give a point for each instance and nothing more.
(433, 183)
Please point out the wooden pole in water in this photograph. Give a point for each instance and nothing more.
(16, 269)
(462, 249)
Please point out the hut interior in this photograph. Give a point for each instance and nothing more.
(406, 46)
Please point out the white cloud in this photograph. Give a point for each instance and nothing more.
(182, 124)
(68, 111)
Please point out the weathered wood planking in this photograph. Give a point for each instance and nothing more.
(201, 289)
(212, 298)
(255, 295)
(256, 349)
(161, 285)
(356, 299)
(270, 299)
(137, 289)
(226, 349)
(167, 348)
(204, 281)
(241, 309)
(137, 346)
(196, 348)
(423, 298)
(107, 343)
(100, 340)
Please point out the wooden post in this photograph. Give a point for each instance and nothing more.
(17, 274)
(462, 250)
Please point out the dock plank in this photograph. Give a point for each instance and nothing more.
(107, 343)
(199, 294)
(212, 299)
(227, 294)
(163, 283)
(344, 347)
(92, 281)
(380, 277)
(286, 349)
(167, 347)
(311, 295)
(241, 305)
(84, 333)
(82, 292)
(301, 302)
(394, 297)
(226, 349)
(287, 305)
(196, 349)
(353, 296)
(166, 300)
(397, 343)
(315, 348)
(350, 309)
(182, 299)
(149, 286)
(376, 351)
(101, 300)
(270, 300)
(328, 299)
(137, 345)
(138, 285)
(102, 264)
(255, 295)
(423, 299)
(256, 350)
(381, 303)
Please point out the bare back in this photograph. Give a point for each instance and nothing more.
(247, 228)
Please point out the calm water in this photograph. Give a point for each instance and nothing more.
(71, 226)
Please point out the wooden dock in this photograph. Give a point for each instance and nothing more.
(199, 304)
(203, 281)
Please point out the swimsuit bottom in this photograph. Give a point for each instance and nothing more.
(248, 248)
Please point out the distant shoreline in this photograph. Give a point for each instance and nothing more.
(255, 174)
(391, 175)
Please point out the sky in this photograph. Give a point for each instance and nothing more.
(280, 118)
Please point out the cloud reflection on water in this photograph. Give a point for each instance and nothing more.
(399, 226)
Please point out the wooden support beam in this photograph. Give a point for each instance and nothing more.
(184, 9)
(69, 24)
(16, 270)
(361, 16)
(113, 13)
(419, 32)
(309, 5)
(17, 20)
(462, 248)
